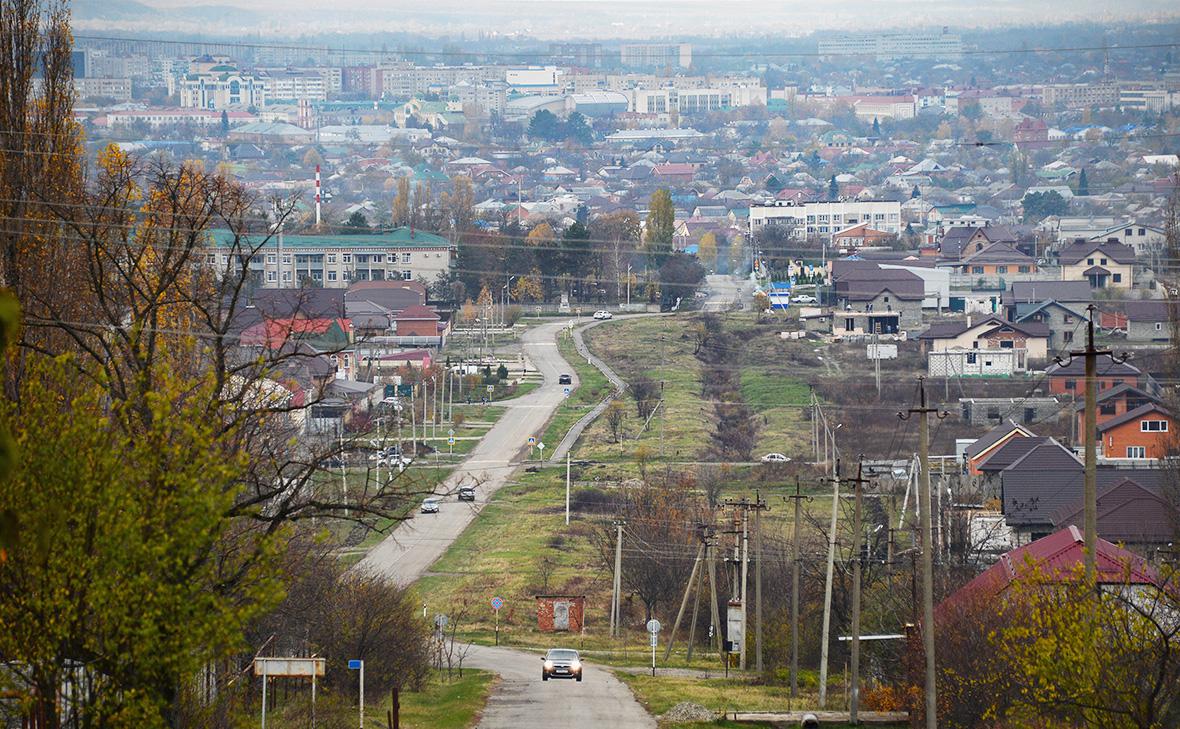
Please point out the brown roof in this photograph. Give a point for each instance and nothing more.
(1127, 512)
(1130, 415)
(1078, 251)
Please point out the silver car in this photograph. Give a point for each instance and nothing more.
(561, 663)
(430, 505)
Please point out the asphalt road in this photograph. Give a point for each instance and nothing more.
(725, 291)
(523, 701)
(418, 542)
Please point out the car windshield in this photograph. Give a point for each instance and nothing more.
(562, 655)
(430, 500)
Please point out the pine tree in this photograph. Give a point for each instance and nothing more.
(876, 127)
(833, 189)
(1083, 184)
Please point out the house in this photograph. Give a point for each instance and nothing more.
(1031, 340)
(1049, 478)
(1143, 238)
(960, 242)
(1103, 265)
(417, 321)
(868, 288)
(1070, 378)
(1128, 514)
(1148, 321)
(996, 259)
(1111, 403)
(974, 363)
(1063, 322)
(1024, 296)
(858, 236)
(990, 442)
(1142, 433)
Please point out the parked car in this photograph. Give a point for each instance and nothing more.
(561, 663)
(430, 505)
(603, 315)
(803, 299)
(774, 458)
(565, 379)
(466, 493)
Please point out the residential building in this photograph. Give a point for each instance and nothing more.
(824, 219)
(1081, 96)
(995, 259)
(1142, 237)
(1065, 323)
(288, 85)
(335, 261)
(1111, 403)
(656, 55)
(164, 117)
(1102, 264)
(690, 99)
(222, 86)
(888, 46)
(866, 287)
(855, 237)
(1070, 378)
(118, 89)
(974, 363)
(1021, 297)
(1149, 321)
(1029, 340)
(1143, 433)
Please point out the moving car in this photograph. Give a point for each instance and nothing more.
(803, 299)
(430, 505)
(774, 458)
(561, 663)
(603, 315)
(565, 379)
(466, 493)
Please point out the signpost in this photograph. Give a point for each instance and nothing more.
(497, 603)
(451, 440)
(532, 444)
(358, 665)
(567, 392)
(292, 668)
(541, 448)
(653, 629)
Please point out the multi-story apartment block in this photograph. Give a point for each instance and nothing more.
(118, 89)
(656, 55)
(221, 87)
(334, 261)
(294, 85)
(1081, 96)
(823, 219)
(587, 55)
(886, 46)
(1153, 96)
(691, 100)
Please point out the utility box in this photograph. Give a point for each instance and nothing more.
(560, 613)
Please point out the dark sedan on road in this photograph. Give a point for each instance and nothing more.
(561, 663)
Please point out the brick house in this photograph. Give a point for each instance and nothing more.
(1142, 433)
(991, 442)
(1070, 378)
(417, 321)
(988, 333)
(1116, 401)
(560, 613)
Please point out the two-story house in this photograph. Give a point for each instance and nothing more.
(1101, 264)
(1143, 433)
(991, 333)
(1070, 378)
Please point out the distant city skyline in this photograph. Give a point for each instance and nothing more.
(599, 19)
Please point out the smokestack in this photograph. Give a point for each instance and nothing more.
(317, 194)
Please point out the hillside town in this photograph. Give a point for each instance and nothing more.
(449, 354)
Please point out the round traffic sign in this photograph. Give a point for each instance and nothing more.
(451, 431)
(497, 603)
(451, 440)
(653, 626)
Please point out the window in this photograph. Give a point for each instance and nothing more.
(347, 258)
(1068, 336)
(977, 269)
(378, 258)
(271, 258)
(1007, 344)
(1159, 326)
(1153, 426)
(270, 276)
(286, 275)
(972, 358)
(1136, 452)
(405, 258)
(1022, 269)
(1103, 262)
(286, 259)
(211, 259)
(1001, 269)
(1117, 277)
(407, 275)
(331, 275)
(1107, 408)
(1143, 231)
(1071, 384)
(1089, 261)
(331, 258)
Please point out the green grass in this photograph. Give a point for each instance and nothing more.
(592, 388)
(442, 705)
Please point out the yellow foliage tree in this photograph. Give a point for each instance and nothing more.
(541, 235)
(528, 288)
(707, 251)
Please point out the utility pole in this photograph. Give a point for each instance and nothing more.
(711, 562)
(759, 505)
(567, 488)
(876, 366)
(927, 548)
(696, 565)
(615, 617)
(823, 646)
(797, 497)
(1090, 484)
(745, 581)
(858, 482)
(696, 603)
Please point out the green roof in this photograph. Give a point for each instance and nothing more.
(396, 238)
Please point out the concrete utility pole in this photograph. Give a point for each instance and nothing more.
(797, 497)
(759, 506)
(711, 562)
(615, 617)
(1090, 484)
(857, 527)
(696, 565)
(927, 551)
(823, 646)
(744, 592)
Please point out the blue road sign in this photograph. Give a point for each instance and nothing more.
(497, 603)
(354, 664)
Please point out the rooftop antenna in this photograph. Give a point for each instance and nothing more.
(317, 195)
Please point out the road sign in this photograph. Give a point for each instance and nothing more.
(497, 603)
(451, 431)
(295, 667)
(491, 388)
(354, 664)
(653, 626)
(440, 621)
(567, 392)
(532, 440)
(451, 440)
(655, 639)
(405, 390)
(540, 446)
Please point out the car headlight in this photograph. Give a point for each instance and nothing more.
(576, 666)
(548, 665)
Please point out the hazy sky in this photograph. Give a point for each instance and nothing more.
(634, 18)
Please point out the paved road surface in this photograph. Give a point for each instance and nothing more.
(523, 701)
(417, 543)
(724, 291)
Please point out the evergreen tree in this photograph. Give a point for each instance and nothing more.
(1083, 184)
(661, 226)
(224, 123)
(876, 127)
(915, 193)
(833, 189)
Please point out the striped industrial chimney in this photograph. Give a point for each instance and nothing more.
(317, 194)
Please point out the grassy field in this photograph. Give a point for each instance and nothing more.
(592, 388)
(443, 705)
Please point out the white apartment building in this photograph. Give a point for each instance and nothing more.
(1081, 96)
(656, 55)
(294, 85)
(118, 89)
(823, 219)
(222, 87)
(335, 261)
(886, 46)
(692, 100)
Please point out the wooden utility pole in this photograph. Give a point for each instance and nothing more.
(745, 506)
(858, 483)
(823, 645)
(1090, 482)
(696, 565)
(797, 497)
(927, 552)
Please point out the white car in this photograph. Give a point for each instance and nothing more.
(603, 315)
(774, 458)
(430, 505)
(803, 299)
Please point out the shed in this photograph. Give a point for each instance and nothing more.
(560, 613)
